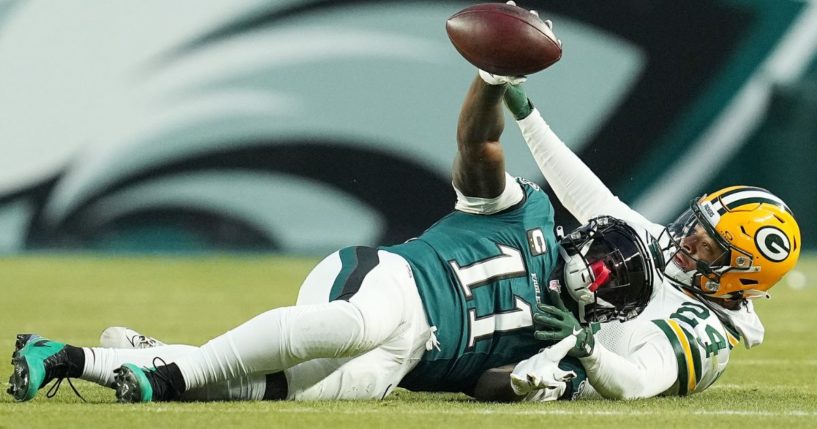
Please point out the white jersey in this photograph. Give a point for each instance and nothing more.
(688, 338)
(678, 345)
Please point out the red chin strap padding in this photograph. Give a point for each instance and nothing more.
(601, 274)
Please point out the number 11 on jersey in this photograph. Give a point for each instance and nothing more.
(517, 318)
(508, 264)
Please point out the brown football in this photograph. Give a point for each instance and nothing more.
(503, 39)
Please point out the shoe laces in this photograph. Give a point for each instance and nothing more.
(161, 372)
(61, 366)
(142, 342)
(55, 387)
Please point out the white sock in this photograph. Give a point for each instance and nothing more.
(100, 362)
(278, 339)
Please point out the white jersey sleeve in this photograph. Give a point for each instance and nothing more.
(642, 367)
(575, 185)
(678, 346)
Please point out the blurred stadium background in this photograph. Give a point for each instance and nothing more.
(258, 127)
(300, 127)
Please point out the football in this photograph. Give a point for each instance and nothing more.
(503, 39)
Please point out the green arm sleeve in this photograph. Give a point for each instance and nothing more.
(517, 102)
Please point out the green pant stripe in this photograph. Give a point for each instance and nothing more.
(683, 376)
(348, 263)
(356, 263)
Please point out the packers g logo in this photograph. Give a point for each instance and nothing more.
(772, 243)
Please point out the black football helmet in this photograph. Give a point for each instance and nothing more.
(608, 270)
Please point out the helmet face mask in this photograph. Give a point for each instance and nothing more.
(733, 244)
(608, 271)
(695, 256)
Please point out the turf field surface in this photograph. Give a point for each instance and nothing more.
(189, 300)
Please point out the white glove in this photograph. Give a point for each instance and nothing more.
(547, 22)
(546, 395)
(542, 372)
(495, 79)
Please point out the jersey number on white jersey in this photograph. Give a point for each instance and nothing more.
(692, 313)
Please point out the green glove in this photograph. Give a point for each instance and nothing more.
(553, 323)
(517, 102)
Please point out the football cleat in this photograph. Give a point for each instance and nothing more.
(36, 362)
(117, 337)
(134, 384)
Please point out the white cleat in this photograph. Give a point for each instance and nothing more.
(117, 337)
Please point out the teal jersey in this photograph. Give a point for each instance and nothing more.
(480, 278)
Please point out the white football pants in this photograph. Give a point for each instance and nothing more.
(358, 346)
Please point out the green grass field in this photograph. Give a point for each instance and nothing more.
(189, 300)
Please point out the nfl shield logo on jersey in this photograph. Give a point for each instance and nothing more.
(555, 286)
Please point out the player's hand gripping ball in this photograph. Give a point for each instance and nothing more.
(504, 39)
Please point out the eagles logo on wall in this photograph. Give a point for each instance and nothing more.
(307, 126)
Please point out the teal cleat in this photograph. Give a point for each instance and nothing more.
(135, 384)
(132, 384)
(36, 362)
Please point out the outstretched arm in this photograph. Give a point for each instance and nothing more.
(479, 168)
(576, 186)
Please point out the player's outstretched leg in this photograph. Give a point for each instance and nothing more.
(369, 308)
(268, 343)
(250, 387)
(36, 362)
